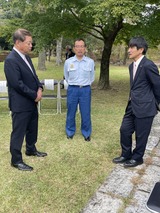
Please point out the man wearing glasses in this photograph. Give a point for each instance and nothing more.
(79, 73)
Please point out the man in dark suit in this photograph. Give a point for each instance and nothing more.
(24, 90)
(142, 106)
(69, 52)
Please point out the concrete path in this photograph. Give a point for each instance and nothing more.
(127, 190)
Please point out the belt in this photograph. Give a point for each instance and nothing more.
(80, 86)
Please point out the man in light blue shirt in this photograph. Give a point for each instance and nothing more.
(79, 73)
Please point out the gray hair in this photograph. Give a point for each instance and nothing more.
(20, 35)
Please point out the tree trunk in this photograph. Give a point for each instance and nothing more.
(49, 54)
(105, 61)
(125, 55)
(59, 51)
(104, 67)
(41, 60)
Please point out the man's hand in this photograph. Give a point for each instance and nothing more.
(39, 95)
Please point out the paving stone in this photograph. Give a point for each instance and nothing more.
(151, 176)
(155, 131)
(152, 142)
(138, 203)
(103, 203)
(156, 120)
(157, 151)
(119, 182)
(156, 161)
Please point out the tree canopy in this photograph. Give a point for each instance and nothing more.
(104, 20)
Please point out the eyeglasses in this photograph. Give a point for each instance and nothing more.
(79, 46)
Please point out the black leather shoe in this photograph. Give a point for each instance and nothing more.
(132, 163)
(36, 153)
(87, 139)
(120, 159)
(22, 166)
(69, 137)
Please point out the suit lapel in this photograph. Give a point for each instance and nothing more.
(20, 59)
(131, 73)
(30, 63)
(34, 72)
(138, 71)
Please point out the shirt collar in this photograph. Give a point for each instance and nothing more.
(83, 58)
(138, 61)
(21, 54)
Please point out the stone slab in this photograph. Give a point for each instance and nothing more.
(151, 176)
(138, 203)
(152, 142)
(103, 203)
(119, 182)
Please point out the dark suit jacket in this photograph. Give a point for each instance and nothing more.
(145, 89)
(22, 83)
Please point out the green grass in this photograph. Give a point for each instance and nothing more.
(67, 178)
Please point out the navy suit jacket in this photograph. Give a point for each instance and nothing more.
(145, 89)
(22, 83)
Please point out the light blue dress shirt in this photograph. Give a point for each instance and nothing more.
(81, 72)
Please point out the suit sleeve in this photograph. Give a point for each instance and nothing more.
(15, 79)
(153, 76)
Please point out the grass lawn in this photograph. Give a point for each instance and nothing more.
(68, 177)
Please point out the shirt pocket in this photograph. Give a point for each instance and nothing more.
(72, 71)
(86, 71)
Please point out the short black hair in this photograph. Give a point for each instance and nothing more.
(81, 39)
(139, 42)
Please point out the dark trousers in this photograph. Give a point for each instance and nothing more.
(82, 96)
(141, 127)
(24, 125)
